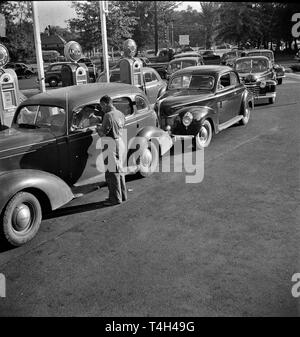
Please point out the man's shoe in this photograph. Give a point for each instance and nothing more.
(111, 203)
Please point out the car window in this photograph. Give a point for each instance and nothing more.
(188, 63)
(115, 77)
(39, 116)
(153, 76)
(224, 81)
(86, 116)
(198, 82)
(140, 103)
(148, 77)
(56, 67)
(124, 104)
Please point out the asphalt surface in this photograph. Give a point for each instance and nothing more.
(227, 246)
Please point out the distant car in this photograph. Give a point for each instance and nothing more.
(47, 152)
(279, 69)
(53, 73)
(209, 57)
(154, 85)
(148, 53)
(181, 63)
(21, 69)
(201, 101)
(228, 57)
(258, 75)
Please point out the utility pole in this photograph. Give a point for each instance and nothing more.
(155, 27)
(38, 47)
(172, 34)
(103, 11)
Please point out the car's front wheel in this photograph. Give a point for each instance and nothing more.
(279, 81)
(27, 74)
(53, 82)
(147, 160)
(204, 136)
(21, 218)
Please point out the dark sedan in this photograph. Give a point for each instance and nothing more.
(21, 69)
(203, 100)
(53, 146)
(258, 75)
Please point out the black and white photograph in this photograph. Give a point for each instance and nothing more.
(149, 162)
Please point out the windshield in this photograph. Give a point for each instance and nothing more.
(201, 82)
(268, 54)
(248, 66)
(39, 116)
(181, 64)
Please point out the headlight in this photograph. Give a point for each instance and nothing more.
(263, 84)
(187, 119)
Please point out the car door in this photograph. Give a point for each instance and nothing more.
(226, 98)
(152, 85)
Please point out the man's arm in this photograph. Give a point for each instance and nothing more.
(106, 126)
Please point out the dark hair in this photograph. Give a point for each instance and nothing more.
(105, 99)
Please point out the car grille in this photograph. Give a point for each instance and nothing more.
(254, 89)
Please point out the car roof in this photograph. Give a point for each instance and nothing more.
(80, 94)
(186, 58)
(187, 53)
(258, 57)
(204, 69)
(258, 50)
(117, 70)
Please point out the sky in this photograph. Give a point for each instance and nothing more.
(54, 13)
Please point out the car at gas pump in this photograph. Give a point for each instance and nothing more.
(53, 147)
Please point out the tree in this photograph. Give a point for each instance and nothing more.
(208, 18)
(19, 28)
(120, 23)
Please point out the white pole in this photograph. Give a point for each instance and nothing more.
(38, 47)
(104, 39)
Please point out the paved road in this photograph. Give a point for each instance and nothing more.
(227, 246)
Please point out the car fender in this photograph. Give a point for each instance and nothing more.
(247, 98)
(162, 137)
(200, 113)
(271, 82)
(44, 183)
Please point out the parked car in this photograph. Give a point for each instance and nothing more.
(53, 73)
(203, 100)
(258, 75)
(189, 54)
(229, 57)
(279, 69)
(45, 154)
(209, 57)
(181, 63)
(154, 85)
(21, 69)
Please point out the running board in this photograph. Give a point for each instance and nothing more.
(231, 121)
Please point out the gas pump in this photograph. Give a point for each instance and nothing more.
(131, 68)
(9, 90)
(73, 73)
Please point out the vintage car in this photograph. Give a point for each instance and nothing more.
(183, 62)
(203, 100)
(229, 57)
(209, 57)
(279, 69)
(48, 151)
(154, 85)
(21, 69)
(189, 54)
(258, 75)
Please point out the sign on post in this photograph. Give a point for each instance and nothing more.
(184, 40)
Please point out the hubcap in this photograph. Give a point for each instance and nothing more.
(203, 135)
(21, 217)
(146, 158)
